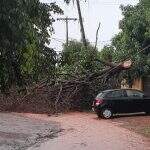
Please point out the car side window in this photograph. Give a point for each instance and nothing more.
(115, 94)
(134, 94)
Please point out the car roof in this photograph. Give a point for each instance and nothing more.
(110, 90)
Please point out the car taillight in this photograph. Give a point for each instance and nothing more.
(98, 102)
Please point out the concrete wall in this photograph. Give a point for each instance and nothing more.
(138, 84)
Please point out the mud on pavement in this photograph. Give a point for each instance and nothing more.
(18, 132)
(81, 131)
(84, 131)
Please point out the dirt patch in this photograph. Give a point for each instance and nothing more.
(84, 131)
(139, 123)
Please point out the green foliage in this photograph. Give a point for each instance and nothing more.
(77, 59)
(25, 28)
(134, 36)
(106, 53)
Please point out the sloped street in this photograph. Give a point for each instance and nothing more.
(18, 132)
(84, 131)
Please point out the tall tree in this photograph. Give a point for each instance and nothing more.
(134, 36)
(78, 59)
(25, 28)
(83, 37)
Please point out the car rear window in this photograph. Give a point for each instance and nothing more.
(101, 95)
(115, 94)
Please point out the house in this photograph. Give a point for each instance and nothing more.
(142, 84)
(146, 85)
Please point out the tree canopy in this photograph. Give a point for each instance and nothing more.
(78, 59)
(133, 37)
(25, 29)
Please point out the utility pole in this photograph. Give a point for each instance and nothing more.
(81, 24)
(66, 19)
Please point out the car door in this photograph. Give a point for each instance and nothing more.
(119, 100)
(146, 104)
(136, 100)
(123, 102)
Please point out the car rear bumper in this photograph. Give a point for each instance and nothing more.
(96, 109)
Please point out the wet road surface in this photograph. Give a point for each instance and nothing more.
(84, 131)
(18, 132)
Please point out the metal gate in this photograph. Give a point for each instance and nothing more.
(146, 83)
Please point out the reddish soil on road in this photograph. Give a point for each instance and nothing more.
(84, 131)
(139, 123)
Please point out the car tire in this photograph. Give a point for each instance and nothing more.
(147, 113)
(98, 114)
(106, 113)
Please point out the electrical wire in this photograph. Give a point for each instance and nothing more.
(138, 52)
(60, 40)
(111, 4)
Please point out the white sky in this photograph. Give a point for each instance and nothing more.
(93, 11)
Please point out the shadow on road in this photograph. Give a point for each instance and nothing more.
(123, 116)
(129, 115)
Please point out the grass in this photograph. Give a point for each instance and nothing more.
(146, 131)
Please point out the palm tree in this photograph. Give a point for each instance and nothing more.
(80, 20)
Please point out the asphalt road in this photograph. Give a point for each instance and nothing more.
(18, 132)
(84, 131)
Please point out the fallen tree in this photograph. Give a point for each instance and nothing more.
(61, 95)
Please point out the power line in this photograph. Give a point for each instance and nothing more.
(60, 40)
(118, 4)
(127, 56)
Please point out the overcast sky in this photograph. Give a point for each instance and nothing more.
(93, 11)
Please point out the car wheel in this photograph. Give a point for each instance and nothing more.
(98, 114)
(147, 112)
(106, 113)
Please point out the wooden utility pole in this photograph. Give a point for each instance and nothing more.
(66, 19)
(81, 24)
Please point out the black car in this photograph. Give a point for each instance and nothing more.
(114, 101)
